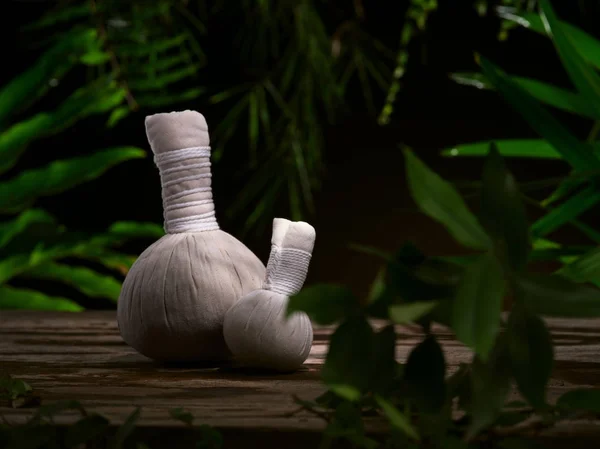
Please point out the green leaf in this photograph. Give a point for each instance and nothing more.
(411, 312)
(347, 368)
(13, 298)
(546, 93)
(425, 373)
(490, 386)
(324, 303)
(397, 419)
(582, 75)
(95, 57)
(370, 250)
(503, 213)
(85, 280)
(117, 115)
(54, 63)
(531, 354)
(478, 304)
(126, 429)
(527, 148)
(582, 400)
(587, 46)
(182, 415)
(580, 155)
(584, 269)
(94, 99)
(438, 199)
(11, 388)
(85, 430)
(22, 190)
(557, 296)
(9, 229)
(567, 211)
(135, 229)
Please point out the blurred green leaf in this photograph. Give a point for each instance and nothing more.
(117, 115)
(324, 303)
(9, 229)
(94, 99)
(54, 63)
(544, 92)
(425, 373)
(580, 400)
(580, 155)
(13, 298)
(21, 191)
(584, 269)
(59, 16)
(397, 418)
(133, 229)
(11, 388)
(438, 199)
(478, 303)
(490, 386)
(588, 46)
(347, 368)
(582, 75)
(182, 415)
(411, 312)
(503, 213)
(529, 148)
(554, 295)
(85, 280)
(531, 354)
(567, 211)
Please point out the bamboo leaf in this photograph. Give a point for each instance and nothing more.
(567, 211)
(438, 199)
(503, 213)
(19, 192)
(526, 148)
(582, 75)
(531, 354)
(588, 46)
(544, 92)
(54, 63)
(10, 229)
(578, 154)
(85, 280)
(478, 304)
(14, 298)
(558, 296)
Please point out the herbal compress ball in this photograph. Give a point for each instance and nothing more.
(257, 330)
(174, 298)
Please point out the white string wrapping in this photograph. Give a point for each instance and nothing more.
(170, 164)
(288, 271)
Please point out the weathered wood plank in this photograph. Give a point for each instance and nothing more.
(82, 357)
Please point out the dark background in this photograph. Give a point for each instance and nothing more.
(364, 197)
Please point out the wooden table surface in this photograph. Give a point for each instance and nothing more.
(81, 356)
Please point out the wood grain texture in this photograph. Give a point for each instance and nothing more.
(82, 357)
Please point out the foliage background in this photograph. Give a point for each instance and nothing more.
(363, 197)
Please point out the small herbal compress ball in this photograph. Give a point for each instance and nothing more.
(256, 328)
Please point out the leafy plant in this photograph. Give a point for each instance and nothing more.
(32, 243)
(578, 193)
(427, 406)
(91, 430)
